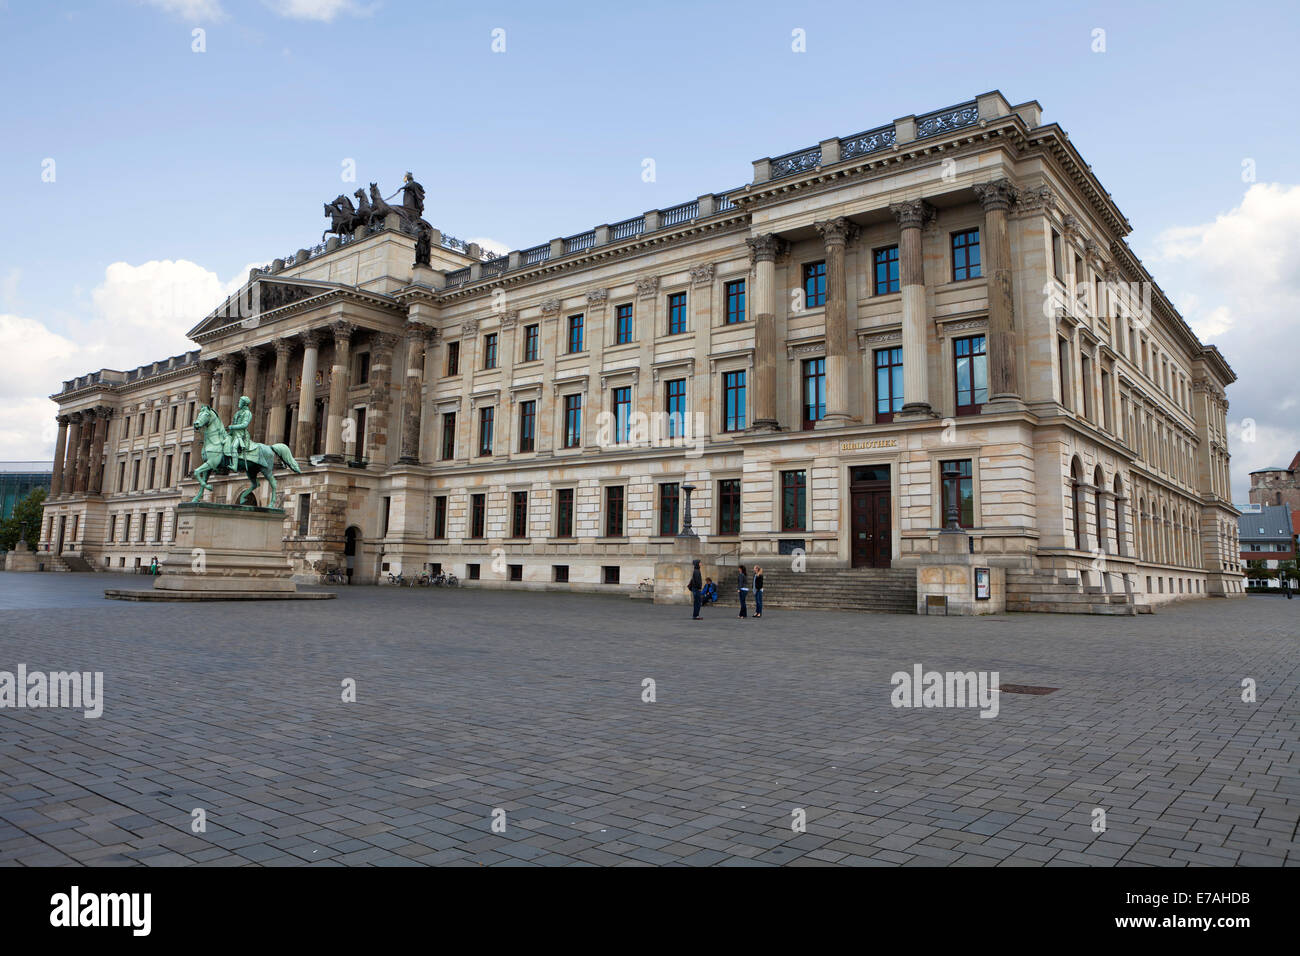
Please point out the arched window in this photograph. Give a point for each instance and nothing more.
(1098, 484)
(1119, 517)
(1076, 505)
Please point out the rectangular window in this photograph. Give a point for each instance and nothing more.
(886, 271)
(167, 472)
(516, 572)
(112, 527)
(675, 405)
(359, 432)
(453, 359)
(135, 475)
(971, 365)
(472, 572)
(448, 450)
(532, 336)
(735, 294)
(966, 255)
(677, 313)
(1063, 360)
(527, 425)
(1085, 368)
(490, 350)
(157, 419)
(889, 383)
(1105, 401)
(1080, 287)
(485, 418)
(304, 513)
(794, 500)
(814, 391)
(623, 324)
(519, 514)
(383, 518)
(185, 465)
(622, 415)
(729, 506)
(575, 333)
(440, 516)
(733, 401)
(564, 513)
(965, 492)
(1058, 257)
(669, 495)
(126, 426)
(121, 475)
(560, 573)
(363, 368)
(572, 421)
(814, 284)
(614, 498)
(477, 515)
(191, 418)
(609, 574)
(175, 409)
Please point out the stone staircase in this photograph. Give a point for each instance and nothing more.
(870, 590)
(62, 562)
(1061, 592)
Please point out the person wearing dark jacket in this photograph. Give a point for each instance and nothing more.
(710, 593)
(742, 588)
(758, 591)
(695, 587)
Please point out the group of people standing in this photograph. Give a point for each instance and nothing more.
(702, 593)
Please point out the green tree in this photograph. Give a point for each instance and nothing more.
(25, 522)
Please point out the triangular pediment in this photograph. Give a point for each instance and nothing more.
(262, 293)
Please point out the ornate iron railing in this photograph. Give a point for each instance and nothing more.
(798, 162)
(946, 120)
(536, 254)
(678, 214)
(860, 144)
(627, 228)
(451, 242)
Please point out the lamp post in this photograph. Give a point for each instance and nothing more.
(952, 474)
(687, 530)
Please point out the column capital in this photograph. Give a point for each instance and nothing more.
(283, 347)
(996, 195)
(75, 417)
(913, 213)
(310, 338)
(383, 342)
(252, 353)
(342, 330)
(104, 412)
(765, 248)
(63, 420)
(207, 366)
(836, 232)
(421, 332)
(226, 363)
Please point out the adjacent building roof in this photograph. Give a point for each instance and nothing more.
(1270, 523)
(27, 467)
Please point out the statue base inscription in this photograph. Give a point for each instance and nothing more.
(224, 553)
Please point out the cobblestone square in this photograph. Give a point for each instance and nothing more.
(475, 701)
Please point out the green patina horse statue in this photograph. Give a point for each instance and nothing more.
(258, 460)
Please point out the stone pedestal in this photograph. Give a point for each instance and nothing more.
(950, 574)
(223, 553)
(672, 576)
(20, 559)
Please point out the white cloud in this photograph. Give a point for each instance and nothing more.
(322, 11)
(1237, 281)
(195, 10)
(490, 245)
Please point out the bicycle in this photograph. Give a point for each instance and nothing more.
(336, 576)
(450, 581)
(424, 580)
(396, 579)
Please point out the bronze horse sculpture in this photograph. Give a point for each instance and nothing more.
(259, 459)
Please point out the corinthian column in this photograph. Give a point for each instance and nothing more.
(204, 398)
(279, 392)
(102, 415)
(996, 198)
(74, 449)
(417, 333)
(226, 397)
(382, 345)
(60, 450)
(338, 390)
(763, 251)
(836, 234)
(84, 436)
(307, 397)
(252, 366)
(912, 216)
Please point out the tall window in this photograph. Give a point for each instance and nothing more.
(531, 338)
(966, 255)
(814, 391)
(527, 425)
(886, 262)
(564, 513)
(623, 324)
(889, 383)
(519, 514)
(490, 350)
(448, 450)
(675, 402)
(965, 492)
(614, 496)
(1085, 368)
(572, 421)
(1105, 401)
(1058, 257)
(735, 295)
(733, 401)
(453, 358)
(177, 408)
(677, 313)
(575, 333)
(1063, 361)
(729, 506)
(440, 516)
(304, 514)
(622, 414)
(972, 373)
(485, 418)
(794, 500)
(814, 284)
(669, 508)
(477, 515)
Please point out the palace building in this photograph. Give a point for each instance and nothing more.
(938, 311)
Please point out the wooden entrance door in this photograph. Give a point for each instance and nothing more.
(871, 517)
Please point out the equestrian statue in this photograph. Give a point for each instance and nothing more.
(231, 451)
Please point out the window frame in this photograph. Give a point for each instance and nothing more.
(793, 481)
(732, 295)
(893, 399)
(623, 323)
(486, 423)
(677, 317)
(816, 380)
(972, 270)
(893, 275)
(576, 331)
(532, 342)
(814, 273)
(972, 408)
(528, 425)
(729, 389)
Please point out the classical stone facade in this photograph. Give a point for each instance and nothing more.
(934, 323)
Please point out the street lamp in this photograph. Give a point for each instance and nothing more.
(687, 530)
(952, 475)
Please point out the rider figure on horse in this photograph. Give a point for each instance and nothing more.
(237, 440)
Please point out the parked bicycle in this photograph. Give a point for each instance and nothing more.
(446, 580)
(336, 576)
(396, 579)
(424, 580)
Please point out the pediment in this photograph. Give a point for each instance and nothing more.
(261, 294)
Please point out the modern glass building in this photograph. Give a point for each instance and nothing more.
(18, 479)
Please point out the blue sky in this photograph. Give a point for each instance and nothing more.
(223, 158)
